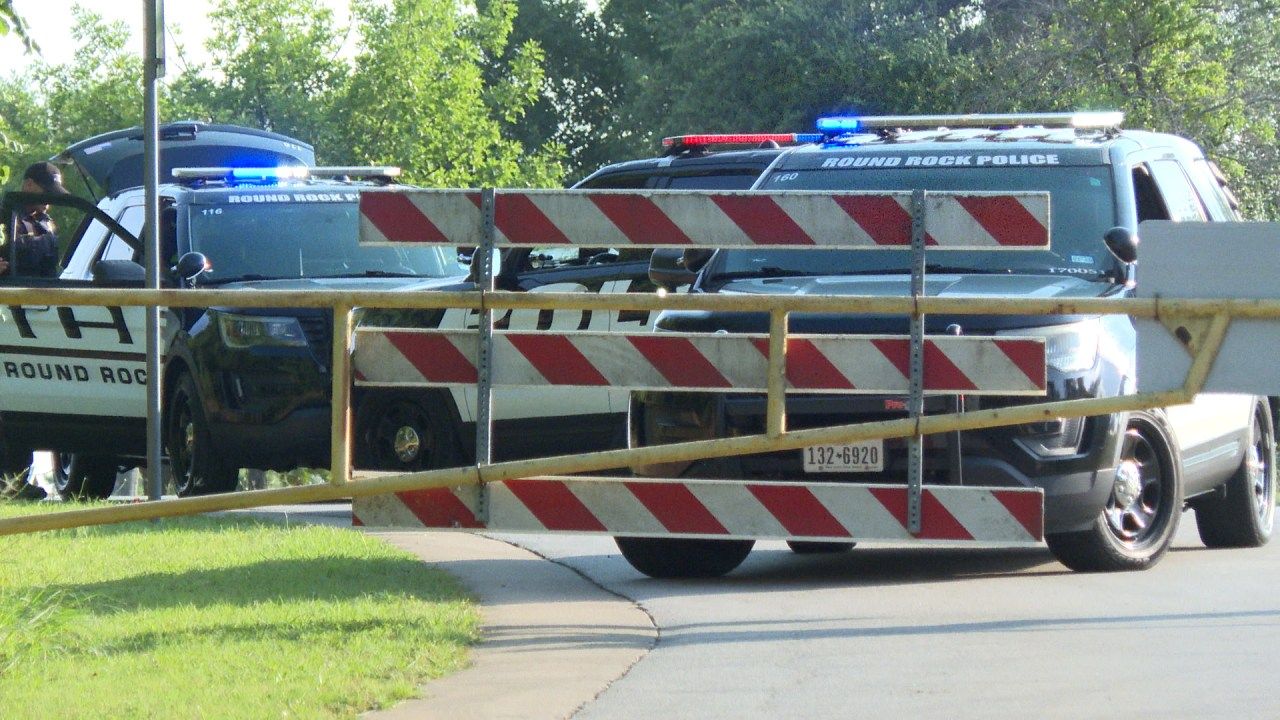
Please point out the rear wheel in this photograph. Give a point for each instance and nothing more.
(406, 432)
(683, 557)
(85, 477)
(1137, 525)
(197, 469)
(1243, 513)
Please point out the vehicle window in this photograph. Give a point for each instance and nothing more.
(1179, 197)
(719, 180)
(1082, 209)
(1211, 191)
(620, 181)
(295, 238)
(1147, 198)
(117, 249)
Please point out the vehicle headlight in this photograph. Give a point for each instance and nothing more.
(243, 331)
(1069, 349)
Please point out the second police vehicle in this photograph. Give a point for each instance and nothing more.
(244, 387)
(1115, 486)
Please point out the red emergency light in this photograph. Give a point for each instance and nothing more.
(739, 139)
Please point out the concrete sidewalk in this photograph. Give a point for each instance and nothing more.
(551, 640)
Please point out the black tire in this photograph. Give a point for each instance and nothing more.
(1243, 513)
(404, 431)
(85, 477)
(197, 467)
(1135, 528)
(810, 547)
(682, 557)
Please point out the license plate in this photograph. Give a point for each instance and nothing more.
(865, 456)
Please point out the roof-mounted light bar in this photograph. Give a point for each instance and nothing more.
(283, 172)
(738, 139)
(1077, 120)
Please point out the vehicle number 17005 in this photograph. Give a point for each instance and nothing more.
(865, 456)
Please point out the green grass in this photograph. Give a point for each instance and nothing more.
(218, 618)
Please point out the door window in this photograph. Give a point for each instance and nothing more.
(1180, 199)
(116, 248)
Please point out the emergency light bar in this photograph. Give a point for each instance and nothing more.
(1078, 120)
(284, 172)
(739, 139)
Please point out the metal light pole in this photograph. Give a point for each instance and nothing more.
(152, 71)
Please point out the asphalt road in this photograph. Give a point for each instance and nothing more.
(885, 632)
(889, 632)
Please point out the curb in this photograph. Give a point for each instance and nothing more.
(551, 640)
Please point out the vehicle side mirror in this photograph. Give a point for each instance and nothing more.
(118, 273)
(191, 266)
(464, 256)
(670, 268)
(1122, 243)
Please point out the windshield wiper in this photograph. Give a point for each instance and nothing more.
(373, 274)
(239, 278)
(772, 271)
(958, 269)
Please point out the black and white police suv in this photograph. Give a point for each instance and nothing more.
(1115, 486)
(398, 428)
(244, 387)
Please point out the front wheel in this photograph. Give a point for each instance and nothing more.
(683, 557)
(197, 469)
(1135, 528)
(1244, 512)
(85, 477)
(404, 431)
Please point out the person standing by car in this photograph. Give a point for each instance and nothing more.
(34, 252)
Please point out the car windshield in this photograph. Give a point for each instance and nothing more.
(1081, 210)
(295, 238)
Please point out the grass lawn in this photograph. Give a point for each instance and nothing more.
(218, 618)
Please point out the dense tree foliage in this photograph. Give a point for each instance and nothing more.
(414, 94)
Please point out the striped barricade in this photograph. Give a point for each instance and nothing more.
(708, 362)
(657, 361)
(718, 509)
(667, 218)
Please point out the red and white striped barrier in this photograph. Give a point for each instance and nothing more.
(717, 509)
(686, 218)
(659, 361)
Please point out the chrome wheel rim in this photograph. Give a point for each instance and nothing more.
(1137, 496)
(407, 444)
(1260, 473)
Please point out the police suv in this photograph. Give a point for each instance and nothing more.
(398, 428)
(1115, 486)
(244, 387)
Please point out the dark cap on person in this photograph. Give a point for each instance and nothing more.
(47, 176)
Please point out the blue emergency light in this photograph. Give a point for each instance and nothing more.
(269, 174)
(839, 124)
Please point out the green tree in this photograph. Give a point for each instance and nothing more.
(1204, 69)
(277, 66)
(10, 21)
(738, 65)
(417, 96)
(584, 83)
(51, 106)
